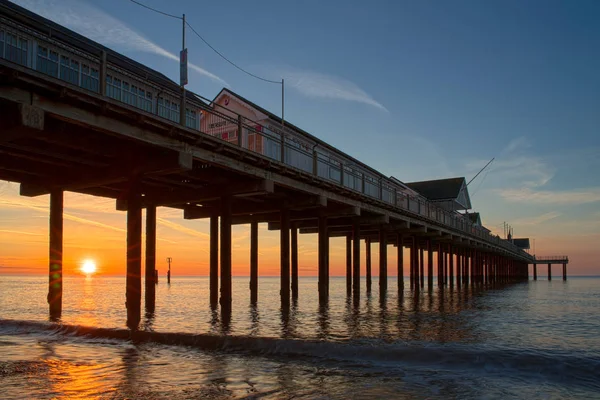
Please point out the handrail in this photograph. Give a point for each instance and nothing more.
(296, 150)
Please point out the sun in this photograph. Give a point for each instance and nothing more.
(88, 267)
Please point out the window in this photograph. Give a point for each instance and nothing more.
(191, 119)
(47, 61)
(16, 49)
(1, 44)
(113, 87)
(89, 78)
(69, 70)
(147, 105)
(174, 111)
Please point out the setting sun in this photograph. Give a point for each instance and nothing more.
(88, 267)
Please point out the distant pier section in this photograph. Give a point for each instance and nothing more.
(564, 260)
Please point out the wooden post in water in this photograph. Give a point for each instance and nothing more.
(422, 267)
(214, 260)
(150, 258)
(400, 249)
(226, 280)
(382, 260)
(348, 265)
(133, 292)
(254, 262)
(412, 263)
(294, 261)
(564, 271)
(451, 254)
(368, 263)
(55, 274)
(429, 265)
(440, 274)
(284, 235)
(549, 271)
(356, 257)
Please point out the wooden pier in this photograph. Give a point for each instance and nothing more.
(88, 135)
(549, 260)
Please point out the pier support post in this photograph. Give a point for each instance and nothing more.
(150, 259)
(549, 271)
(214, 260)
(284, 243)
(356, 257)
(564, 272)
(411, 260)
(348, 265)
(133, 292)
(429, 265)
(400, 249)
(226, 280)
(534, 271)
(323, 260)
(382, 260)
(368, 263)
(451, 253)
(253, 262)
(422, 267)
(440, 274)
(55, 274)
(294, 261)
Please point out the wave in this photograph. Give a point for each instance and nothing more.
(570, 369)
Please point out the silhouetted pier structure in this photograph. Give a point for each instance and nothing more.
(549, 260)
(77, 116)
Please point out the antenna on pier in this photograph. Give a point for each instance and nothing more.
(481, 170)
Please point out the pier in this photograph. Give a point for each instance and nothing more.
(549, 260)
(77, 116)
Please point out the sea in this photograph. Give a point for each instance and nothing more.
(528, 340)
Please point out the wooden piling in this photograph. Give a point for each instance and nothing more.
(133, 292)
(214, 260)
(400, 249)
(294, 261)
(440, 263)
(55, 273)
(356, 258)
(451, 254)
(368, 263)
(226, 279)
(412, 249)
(549, 271)
(348, 265)
(284, 249)
(564, 272)
(382, 260)
(421, 267)
(323, 260)
(429, 265)
(150, 292)
(254, 262)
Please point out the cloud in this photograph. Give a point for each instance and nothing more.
(314, 84)
(20, 232)
(572, 197)
(516, 144)
(181, 228)
(101, 27)
(539, 219)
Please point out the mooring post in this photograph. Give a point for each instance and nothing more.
(214, 260)
(55, 274)
(294, 261)
(564, 271)
(429, 265)
(400, 249)
(150, 293)
(284, 243)
(549, 271)
(368, 263)
(254, 262)
(356, 257)
(382, 260)
(134, 258)
(348, 265)
(226, 280)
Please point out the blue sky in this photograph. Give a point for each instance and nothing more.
(418, 90)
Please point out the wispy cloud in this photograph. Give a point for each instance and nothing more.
(101, 27)
(539, 219)
(181, 228)
(20, 232)
(315, 84)
(516, 144)
(571, 197)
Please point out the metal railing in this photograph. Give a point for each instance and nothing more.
(552, 258)
(296, 150)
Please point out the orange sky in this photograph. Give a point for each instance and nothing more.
(94, 230)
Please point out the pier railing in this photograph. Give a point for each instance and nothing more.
(78, 62)
(551, 258)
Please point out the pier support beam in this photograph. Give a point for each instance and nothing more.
(214, 260)
(294, 261)
(368, 263)
(226, 281)
(412, 249)
(150, 259)
(348, 265)
(400, 249)
(382, 260)
(440, 266)
(564, 272)
(55, 274)
(133, 292)
(323, 260)
(549, 271)
(534, 271)
(253, 262)
(284, 243)
(422, 267)
(429, 265)
(356, 257)
(451, 254)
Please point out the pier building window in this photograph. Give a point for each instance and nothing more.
(113, 87)
(144, 100)
(47, 61)
(16, 49)
(174, 111)
(89, 78)
(69, 70)
(1, 44)
(191, 119)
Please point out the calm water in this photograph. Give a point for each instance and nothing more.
(529, 340)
